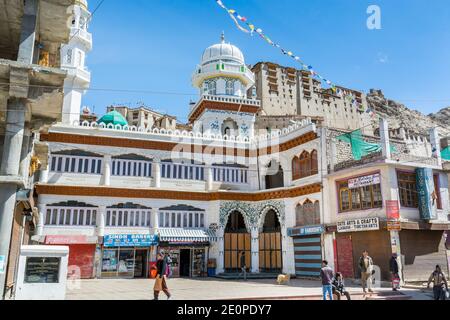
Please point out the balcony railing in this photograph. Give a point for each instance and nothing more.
(232, 100)
(230, 175)
(75, 164)
(131, 168)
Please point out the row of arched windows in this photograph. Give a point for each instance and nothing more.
(304, 166)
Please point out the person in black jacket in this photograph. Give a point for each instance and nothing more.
(243, 266)
(393, 267)
(339, 287)
(160, 282)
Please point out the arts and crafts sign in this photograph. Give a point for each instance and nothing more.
(130, 240)
(364, 181)
(367, 224)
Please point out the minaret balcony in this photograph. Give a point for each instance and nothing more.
(82, 35)
(83, 75)
(221, 69)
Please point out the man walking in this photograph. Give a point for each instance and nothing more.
(366, 267)
(326, 274)
(439, 281)
(243, 266)
(393, 267)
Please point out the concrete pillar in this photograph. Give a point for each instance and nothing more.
(28, 33)
(24, 156)
(221, 246)
(384, 135)
(107, 164)
(209, 178)
(436, 145)
(156, 174)
(42, 217)
(43, 177)
(12, 146)
(333, 155)
(155, 218)
(12, 149)
(255, 250)
(101, 221)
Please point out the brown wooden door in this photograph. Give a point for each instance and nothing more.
(345, 255)
(270, 257)
(235, 243)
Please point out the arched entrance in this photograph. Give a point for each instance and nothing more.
(270, 257)
(237, 239)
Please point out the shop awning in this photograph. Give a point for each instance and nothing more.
(181, 235)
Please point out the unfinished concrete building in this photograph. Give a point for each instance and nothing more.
(31, 96)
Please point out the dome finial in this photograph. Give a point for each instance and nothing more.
(222, 37)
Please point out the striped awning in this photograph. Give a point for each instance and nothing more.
(182, 235)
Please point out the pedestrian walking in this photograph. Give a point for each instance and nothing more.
(339, 287)
(439, 281)
(366, 268)
(393, 267)
(161, 276)
(326, 274)
(243, 266)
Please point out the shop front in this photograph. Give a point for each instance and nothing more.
(127, 256)
(188, 249)
(307, 250)
(81, 253)
(359, 235)
(423, 246)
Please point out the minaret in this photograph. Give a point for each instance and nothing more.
(73, 56)
(223, 80)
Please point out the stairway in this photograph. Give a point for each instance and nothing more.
(235, 276)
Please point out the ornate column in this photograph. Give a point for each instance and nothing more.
(41, 222)
(156, 173)
(221, 246)
(107, 164)
(101, 221)
(255, 249)
(286, 252)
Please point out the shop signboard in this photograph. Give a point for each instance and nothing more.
(130, 240)
(364, 181)
(394, 226)
(392, 210)
(366, 224)
(305, 231)
(66, 240)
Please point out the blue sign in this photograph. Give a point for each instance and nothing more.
(130, 240)
(425, 190)
(305, 231)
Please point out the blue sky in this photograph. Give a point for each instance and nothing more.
(155, 45)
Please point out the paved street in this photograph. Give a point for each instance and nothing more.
(210, 289)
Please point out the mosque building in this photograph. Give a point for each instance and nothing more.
(239, 178)
(118, 193)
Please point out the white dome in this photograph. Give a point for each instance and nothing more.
(223, 51)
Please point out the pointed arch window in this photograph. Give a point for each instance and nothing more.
(229, 88)
(314, 163)
(212, 88)
(305, 165)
